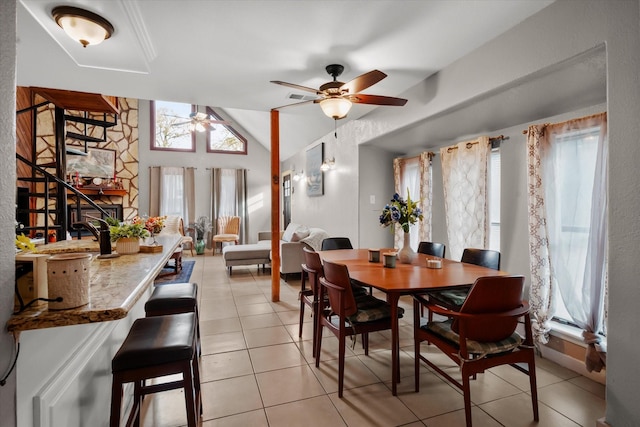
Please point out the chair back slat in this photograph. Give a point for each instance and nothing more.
(333, 243)
(432, 248)
(492, 295)
(340, 293)
(482, 257)
(313, 267)
(228, 225)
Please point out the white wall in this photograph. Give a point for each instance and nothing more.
(558, 33)
(258, 188)
(375, 181)
(7, 195)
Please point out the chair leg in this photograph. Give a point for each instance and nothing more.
(466, 391)
(302, 304)
(534, 389)
(341, 349)
(315, 310)
(318, 344)
(116, 401)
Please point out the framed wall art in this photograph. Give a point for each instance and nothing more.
(315, 182)
(99, 163)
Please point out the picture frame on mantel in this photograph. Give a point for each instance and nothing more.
(315, 176)
(98, 163)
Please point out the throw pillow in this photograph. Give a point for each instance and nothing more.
(300, 234)
(288, 233)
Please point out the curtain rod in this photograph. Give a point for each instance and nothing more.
(471, 144)
(544, 125)
(186, 167)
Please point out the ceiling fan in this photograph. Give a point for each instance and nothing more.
(199, 121)
(336, 98)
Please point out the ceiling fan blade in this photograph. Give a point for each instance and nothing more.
(181, 123)
(295, 86)
(361, 98)
(216, 122)
(297, 103)
(363, 81)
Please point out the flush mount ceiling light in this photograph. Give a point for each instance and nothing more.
(81, 25)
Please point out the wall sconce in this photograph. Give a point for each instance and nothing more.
(298, 176)
(81, 25)
(328, 164)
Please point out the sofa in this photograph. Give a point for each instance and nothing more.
(292, 240)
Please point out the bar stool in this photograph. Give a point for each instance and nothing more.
(174, 298)
(155, 347)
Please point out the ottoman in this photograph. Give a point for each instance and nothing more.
(257, 253)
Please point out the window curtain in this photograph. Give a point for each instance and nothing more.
(229, 197)
(465, 178)
(172, 192)
(559, 265)
(412, 177)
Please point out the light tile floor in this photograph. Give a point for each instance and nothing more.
(257, 372)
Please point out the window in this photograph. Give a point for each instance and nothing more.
(169, 126)
(223, 138)
(494, 199)
(173, 192)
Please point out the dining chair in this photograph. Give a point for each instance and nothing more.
(348, 314)
(432, 248)
(454, 298)
(311, 269)
(173, 224)
(332, 243)
(227, 230)
(481, 335)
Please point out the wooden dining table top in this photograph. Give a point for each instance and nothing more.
(407, 278)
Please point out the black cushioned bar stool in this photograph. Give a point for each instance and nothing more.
(155, 347)
(174, 298)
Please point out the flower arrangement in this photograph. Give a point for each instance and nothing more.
(401, 212)
(153, 224)
(128, 230)
(202, 225)
(23, 243)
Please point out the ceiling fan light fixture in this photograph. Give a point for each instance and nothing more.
(81, 25)
(336, 108)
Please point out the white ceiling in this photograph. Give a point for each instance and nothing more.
(224, 53)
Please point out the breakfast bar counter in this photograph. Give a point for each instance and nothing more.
(115, 285)
(63, 369)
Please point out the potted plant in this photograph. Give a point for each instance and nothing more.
(202, 226)
(127, 237)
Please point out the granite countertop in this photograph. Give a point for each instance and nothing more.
(115, 285)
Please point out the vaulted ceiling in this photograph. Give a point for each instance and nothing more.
(224, 53)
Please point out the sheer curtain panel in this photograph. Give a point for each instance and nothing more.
(413, 177)
(568, 228)
(464, 174)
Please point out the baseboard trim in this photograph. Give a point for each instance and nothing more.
(573, 364)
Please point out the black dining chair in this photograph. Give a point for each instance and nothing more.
(453, 299)
(432, 248)
(333, 243)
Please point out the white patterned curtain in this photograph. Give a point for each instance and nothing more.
(413, 178)
(568, 227)
(464, 174)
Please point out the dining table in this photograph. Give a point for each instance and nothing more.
(405, 279)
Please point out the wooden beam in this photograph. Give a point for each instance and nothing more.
(275, 205)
